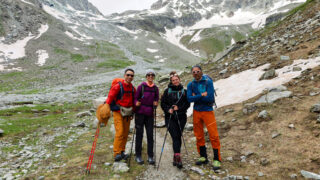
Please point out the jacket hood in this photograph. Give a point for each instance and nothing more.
(175, 88)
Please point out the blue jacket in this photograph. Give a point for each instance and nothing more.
(198, 87)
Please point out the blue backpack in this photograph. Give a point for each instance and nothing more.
(214, 91)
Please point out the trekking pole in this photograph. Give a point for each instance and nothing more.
(134, 132)
(155, 137)
(93, 149)
(184, 143)
(164, 141)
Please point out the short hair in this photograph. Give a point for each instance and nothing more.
(128, 69)
(198, 66)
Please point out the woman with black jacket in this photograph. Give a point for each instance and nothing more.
(174, 103)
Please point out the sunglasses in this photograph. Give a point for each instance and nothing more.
(151, 75)
(195, 72)
(131, 75)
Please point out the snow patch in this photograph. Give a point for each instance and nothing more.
(174, 35)
(77, 49)
(15, 50)
(162, 60)
(43, 29)
(27, 2)
(247, 84)
(127, 30)
(72, 36)
(57, 14)
(42, 56)
(196, 37)
(152, 50)
(157, 57)
(152, 41)
(232, 41)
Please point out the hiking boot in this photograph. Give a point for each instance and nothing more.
(178, 160)
(216, 165)
(174, 163)
(151, 160)
(139, 160)
(118, 158)
(202, 160)
(124, 156)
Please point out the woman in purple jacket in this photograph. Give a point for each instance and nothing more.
(146, 99)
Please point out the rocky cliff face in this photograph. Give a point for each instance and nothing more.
(19, 19)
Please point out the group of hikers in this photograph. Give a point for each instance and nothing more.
(125, 100)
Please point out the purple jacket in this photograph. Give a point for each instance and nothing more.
(149, 95)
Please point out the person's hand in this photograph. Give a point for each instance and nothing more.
(193, 94)
(175, 107)
(204, 94)
(155, 103)
(138, 103)
(170, 110)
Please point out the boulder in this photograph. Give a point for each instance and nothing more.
(285, 58)
(1, 132)
(188, 127)
(120, 167)
(273, 96)
(83, 114)
(309, 175)
(197, 170)
(98, 101)
(268, 75)
(315, 108)
(264, 115)
(249, 108)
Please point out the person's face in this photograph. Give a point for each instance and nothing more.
(128, 76)
(150, 77)
(175, 81)
(197, 73)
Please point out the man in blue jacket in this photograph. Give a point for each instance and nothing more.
(201, 92)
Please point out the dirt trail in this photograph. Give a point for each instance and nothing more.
(166, 169)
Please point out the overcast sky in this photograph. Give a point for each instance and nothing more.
(111, 6)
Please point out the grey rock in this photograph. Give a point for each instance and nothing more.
(80, 124)
(228, 110)
(1, 132)
(264, 114)
(293, 176)
(83, 114)
(120, 167)
(197, 170)
(46, 110)
(275, 134)
(98, 101)
(164, 79)
(41, 178)
(318, 120)
(273, 96)
(161, 124)
(314, 93)
(309, 175)
(297, 68)
(249, 108)
(284, 58)
(268, 75)
(246, 178)
(277, 89)
(315, 108)
(291, 126)
(264, 161)
(189, 127)
(8, 176)
(107, 164)
(34, 110)
(223, 71)
(234, 120)
(230, 159)
(248, 153)
(260, 174)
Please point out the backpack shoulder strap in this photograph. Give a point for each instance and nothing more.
(120, 95)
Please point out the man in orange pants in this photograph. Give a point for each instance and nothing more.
(121, 123)
(201, 92)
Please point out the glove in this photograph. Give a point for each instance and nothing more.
(103, 113)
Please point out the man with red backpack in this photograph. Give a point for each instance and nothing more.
(120, 99)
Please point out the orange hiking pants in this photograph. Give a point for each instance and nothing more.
(121, 126)
(208, 118)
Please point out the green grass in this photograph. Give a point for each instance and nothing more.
(78, 57)
(302, 7)
(115, 64)
(23, 120)
(14, 81)
(1, 26)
